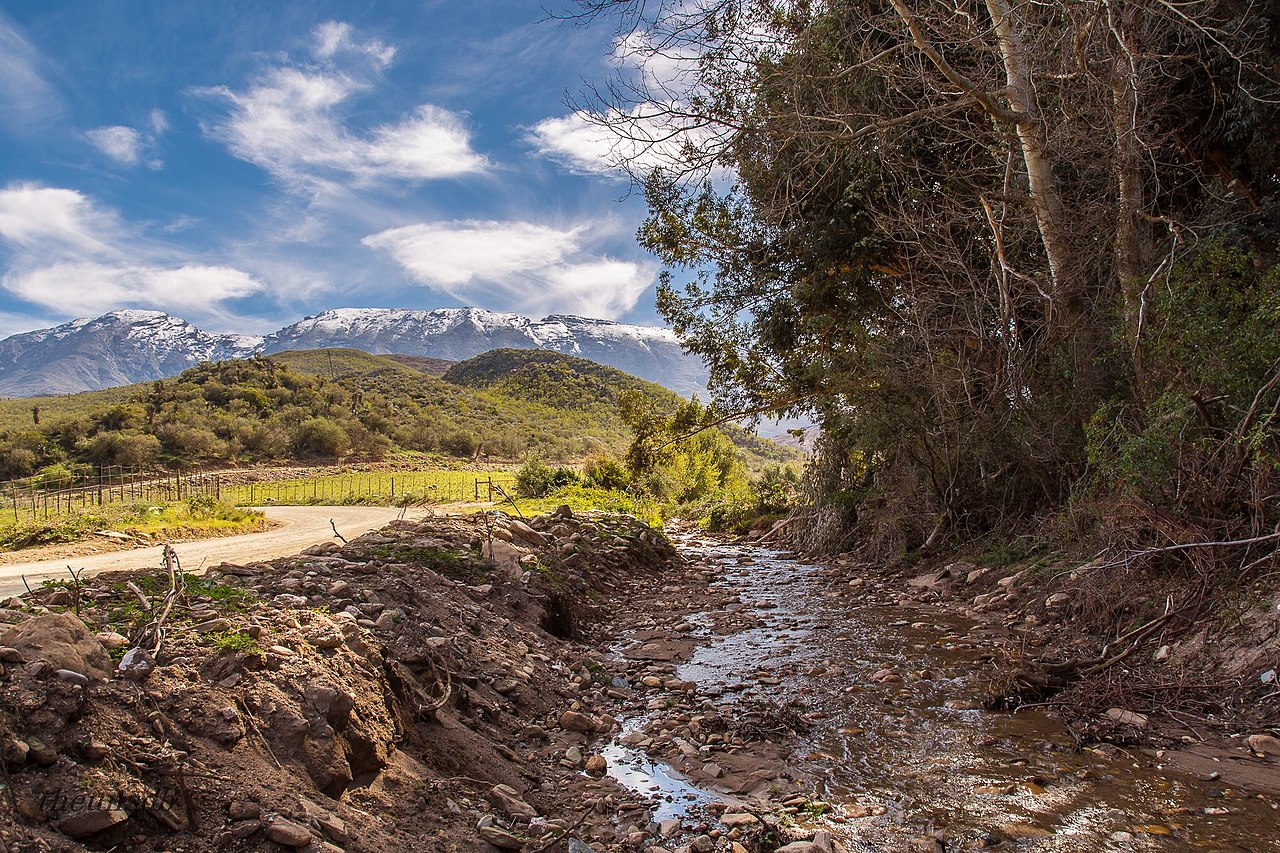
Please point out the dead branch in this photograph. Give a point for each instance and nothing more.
(334, 527)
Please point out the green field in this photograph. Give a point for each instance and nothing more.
(403, 488)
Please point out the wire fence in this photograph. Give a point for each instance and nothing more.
(47, 497)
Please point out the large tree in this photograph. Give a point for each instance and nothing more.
(941, 226)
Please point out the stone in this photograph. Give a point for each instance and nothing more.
(739, 820)
(508, 801)
(62, 640)
(72, 677)
(801, 847)
(702, 844)
(84, 824)
(1058, 599)
(137, 664)
(503, 556)
(15, 752)
(576, 721)
(524, 532)
(244, 810)
(668, 827)
(288, 833)
(1266, 744)
(597, 765)
(112, 641)
(213, 626)
(499, 837)
(41, 752)
(1127, 718)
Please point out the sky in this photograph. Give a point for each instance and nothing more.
(244, 164)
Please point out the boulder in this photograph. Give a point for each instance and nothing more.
(62, 640)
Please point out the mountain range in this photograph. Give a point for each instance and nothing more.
(127, 346)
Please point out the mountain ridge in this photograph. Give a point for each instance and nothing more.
(129, 345)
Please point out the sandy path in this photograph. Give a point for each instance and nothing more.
(296, 527)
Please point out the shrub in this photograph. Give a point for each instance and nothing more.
(320, 437)
(603, 471)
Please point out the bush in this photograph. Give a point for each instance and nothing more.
(536, 479)
(130, 449)
(321, 437)
(604, 471)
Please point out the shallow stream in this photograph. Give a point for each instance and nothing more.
(898, 747)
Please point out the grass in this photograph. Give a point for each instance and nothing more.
(191, 517)
(235, 641)
(583, 499)
(372, 488)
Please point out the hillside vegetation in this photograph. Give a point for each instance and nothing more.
(335, 404)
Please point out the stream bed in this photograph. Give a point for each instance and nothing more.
(897, 744)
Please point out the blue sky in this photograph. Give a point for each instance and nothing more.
(244, 164)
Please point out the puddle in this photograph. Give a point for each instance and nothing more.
(896, 746)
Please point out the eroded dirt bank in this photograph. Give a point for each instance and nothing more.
(571, 684)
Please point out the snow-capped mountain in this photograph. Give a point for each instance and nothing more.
(135, 346)
(115, 349)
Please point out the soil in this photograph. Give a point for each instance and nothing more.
(576, 683)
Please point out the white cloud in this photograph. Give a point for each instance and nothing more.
(520, 266)
(159, 122)
(334, 37)
(289, 121)
(74, 258)
(40, 219)
(87, 288)
(117, 142)
(645, 137)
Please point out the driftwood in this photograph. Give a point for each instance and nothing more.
(1039, 680)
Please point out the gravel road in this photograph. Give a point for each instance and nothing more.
(297, 527)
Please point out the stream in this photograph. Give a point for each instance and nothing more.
(897, 744)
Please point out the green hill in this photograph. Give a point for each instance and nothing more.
(336, 403)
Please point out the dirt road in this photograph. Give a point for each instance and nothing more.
(297, 527)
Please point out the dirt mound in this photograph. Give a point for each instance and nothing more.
(360, 696)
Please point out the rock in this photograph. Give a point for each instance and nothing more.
(499, 837)
(213, 626)
(576, 721)
(563, 511)
(597, 765)
(8, 654)
(1266, 744)
(111, 640)
(668, 828)
(288, 833)
(715, 771)
(15, 752)
(522, 531)
(72, 677)
(1127, 718)
(244, 810)
(508, 801)
(137, 664)
(974, 575)
(739, 820)
(1162, 654)
(503, 556)
(41, 752)
(84, 824)
(61, 639)
(1058, 599)
(801, 847)
(702, 844)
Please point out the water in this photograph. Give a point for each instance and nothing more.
(895, 742)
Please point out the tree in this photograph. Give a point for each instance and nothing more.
(939, 226)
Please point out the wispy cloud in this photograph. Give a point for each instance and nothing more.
(27, 101)
(514, 265)
(70, 256)
(290, 120)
